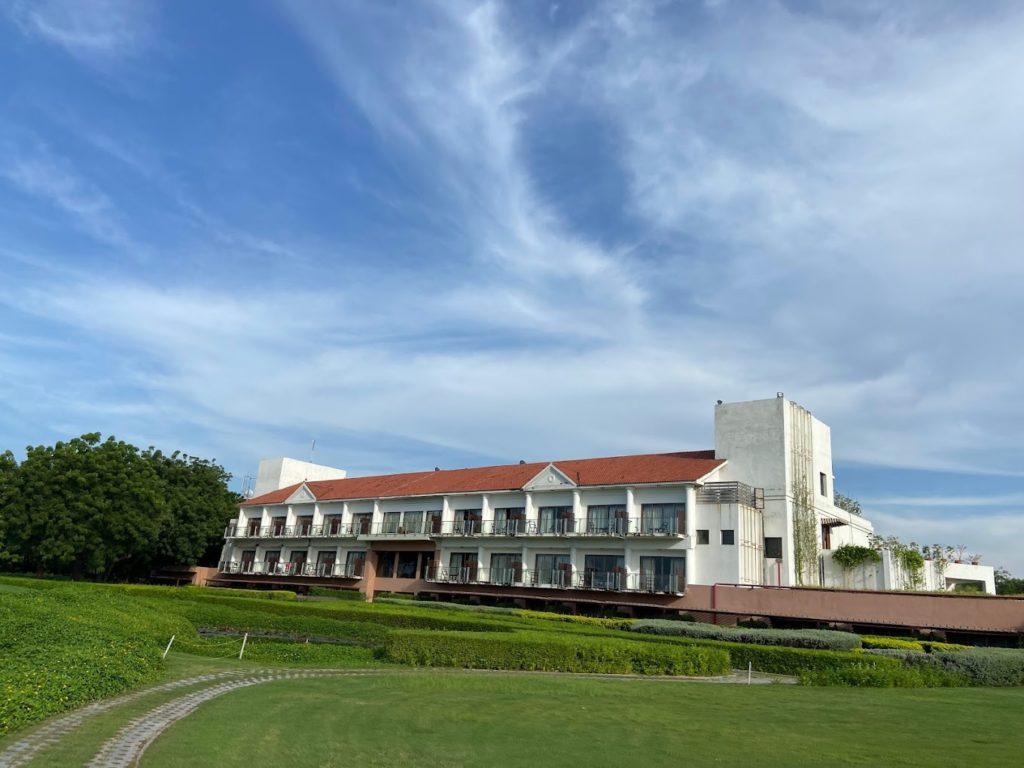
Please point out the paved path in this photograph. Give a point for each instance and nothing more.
(126, 748)
(23, 750)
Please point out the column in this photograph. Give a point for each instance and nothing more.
(690, 521)
(485, 510)
(447, 516)
(631, 504)
(346, 516)
(577, 507)
(378, 517)
(369, 575)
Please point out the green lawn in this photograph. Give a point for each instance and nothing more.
(456, 718)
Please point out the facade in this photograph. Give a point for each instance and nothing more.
(757, 510)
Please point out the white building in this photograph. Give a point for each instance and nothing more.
(757, 510)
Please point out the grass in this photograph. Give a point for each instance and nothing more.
(454, 719)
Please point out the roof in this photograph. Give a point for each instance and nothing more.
(680, 467)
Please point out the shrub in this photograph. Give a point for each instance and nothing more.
(824, 639)
(590, 621)
(883, 677)
(309, 654)
(982, 666)
(337, 594)
(892, 643)
(537, 651)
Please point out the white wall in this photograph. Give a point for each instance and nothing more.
(282, 472)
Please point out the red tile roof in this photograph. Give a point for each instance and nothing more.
(681, 467)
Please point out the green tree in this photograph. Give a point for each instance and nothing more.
(845, 502)
(1007, 584)
(104, 509)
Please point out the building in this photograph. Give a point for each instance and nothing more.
(758, 510)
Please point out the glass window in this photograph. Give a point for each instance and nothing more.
(773, 547)
(823, 480)
(361, 522)
(606, 519)
(305, 525)
(728, 536)
(509, 521)
(462, 566)
(407, 562)
(325, 562)
(467, 521)
(604, 571)
(555, 520)
(506, 568)
(386, 564)
(333, 525)
(662, 519)
(354, 562)
(662, 574)
(703, 536)
(552, 570)
(392, 522)
(412, 522)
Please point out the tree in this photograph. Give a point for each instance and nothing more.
(106, 509)
(845, 502)
(1007, 584)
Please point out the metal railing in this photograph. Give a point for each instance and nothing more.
(613, 581)
(614, 527)
(277, 568)
(731, 493)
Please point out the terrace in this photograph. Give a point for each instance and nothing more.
(353, 570)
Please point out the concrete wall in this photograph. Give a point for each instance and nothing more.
(282, 472)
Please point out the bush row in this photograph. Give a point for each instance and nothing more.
(795, 638)
(883, 677)
(909, 644)
(537, 651)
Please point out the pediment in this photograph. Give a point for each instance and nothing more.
(551, 478)
(301, 495)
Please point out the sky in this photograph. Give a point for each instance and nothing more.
(450, 234)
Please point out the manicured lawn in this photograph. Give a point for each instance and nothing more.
(439, 718)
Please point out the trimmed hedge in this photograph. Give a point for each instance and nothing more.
(536, 651)
(891, 643)
(884, 677)
(822, 639)
(982, 666)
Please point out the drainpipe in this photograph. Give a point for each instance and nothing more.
(714, 603)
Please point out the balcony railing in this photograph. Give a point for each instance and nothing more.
(322, 570)
(614, 581)
(731, 493)
(301, 531)
(615, 527)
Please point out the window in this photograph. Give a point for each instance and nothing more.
(407, 562)
(248, 558)
(297, 560)
(467, 521)
(254, 527)
(552, 570)
(703, 536)
(462, 566)
(392, 522)
(427, 570)
(271, 559)
(277, 526)
(509, 521)
(361, 522)
(823, 480)
(826, 536)
(607, 519)
(604, 571)
(434, 516)
(662, 519)
(555, 520)
(333, 525)
(412, 522)
(354, 562)
(305, 525)
(773, 547)
(506, 568)
(325, 562)
(728, 536)
(386, 564)
(662, 574)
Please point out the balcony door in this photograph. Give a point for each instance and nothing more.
(305, 525)
(297, 561)
(467, 521)
(662, 574)
(277, 525)
(271, 559)
(604, 571)
(253, 528)
(509, 521)
(607, 520)
(662, 519)
(552, 571)
(355, 561)
(506, 568)
(325, 562)
(334, 525)
(462, 567)
(248, 558)
(555, 521)
(362, 523)
(435, 521)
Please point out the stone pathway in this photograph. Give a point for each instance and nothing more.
(22, 751)
(126, 748)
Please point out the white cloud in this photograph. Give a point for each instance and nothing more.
(96, 31)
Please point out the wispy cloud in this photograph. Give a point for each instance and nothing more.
(95, 31)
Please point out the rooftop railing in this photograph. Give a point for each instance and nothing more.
(731, 493)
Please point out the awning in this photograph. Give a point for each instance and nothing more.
(832, 522)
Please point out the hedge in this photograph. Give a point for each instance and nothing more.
(536, 651)
(822, 639)
(982, 666)
(884, 677)
(909, 644)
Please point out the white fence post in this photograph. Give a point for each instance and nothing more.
(169, 642)
(246, 637)
(750, 671)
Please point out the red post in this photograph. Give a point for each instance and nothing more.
(369, 574)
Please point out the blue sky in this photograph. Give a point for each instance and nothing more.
(449, 234)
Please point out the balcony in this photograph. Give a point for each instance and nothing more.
(320, 570)
(304, 531)
(617, 527)
(731, 493)
(616, 581)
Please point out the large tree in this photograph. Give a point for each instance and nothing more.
(103, 508)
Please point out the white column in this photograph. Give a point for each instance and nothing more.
(485, 508)
(346, 515)
(631, 511)
(577, 506)
(378, 516)
(691, 512)
(318, 515)
(447, 516)
(529, 510)
(577, 567)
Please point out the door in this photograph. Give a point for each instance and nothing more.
(254, 527)
(271, 559)
(305, 525)
(277, 526)
(506, 568)
(354, 563)
(435, 521)
(297, 561)
(604, 571)
(248, 558)
(552, 571)
(462, 567)
(325, 563)
(362, 524)
(662, 574)
(334, 525)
